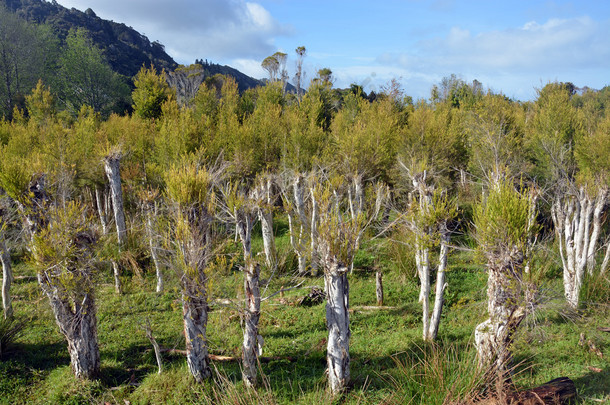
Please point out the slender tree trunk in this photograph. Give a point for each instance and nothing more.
(424, 297)
(244, 224)
(604, 265)
(296, 241)
(578, 220)
(101, 205)
(337, 322)
(150, 212)
(112, 168)
(252, 315)
(439, 298)
(7, 279)
(265, 215)
(379, 287)
(314, 233)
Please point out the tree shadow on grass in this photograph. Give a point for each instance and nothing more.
(594, 384)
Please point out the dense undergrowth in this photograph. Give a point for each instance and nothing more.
(390, 362)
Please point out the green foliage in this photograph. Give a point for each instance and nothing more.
(151, 91)
(552, 130)
(501, 220)
(189, 183)
(86, 78)
(63, 251)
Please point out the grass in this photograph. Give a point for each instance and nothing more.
(390, 362)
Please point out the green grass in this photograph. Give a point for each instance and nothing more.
(390, 362)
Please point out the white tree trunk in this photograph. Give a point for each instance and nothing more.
(494, 337)
(314, 234)
(337, 322)
(252, 315)
(379, 288)
(77, 322)
(7, 279)
(195, 316)
(439, 299)
(152, 245)
(265, 215)
(195, 253)
(102, 206)
(578, 221)
(266, 218)
(424, 276)
(244, 224)
(112, 168)
(297, 243)
(604, 265)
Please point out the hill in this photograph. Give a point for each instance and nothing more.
(125, 48)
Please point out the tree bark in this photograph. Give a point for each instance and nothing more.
(195, 316)
(265, 215)
(379, 287)
(494, 337)
(244, 224)
(7, 279)
(150, 212)
(337, 322)
(112, 168)
(252, 314)
(77, 321)
(102, 205)
(578, 220)
(439, 298)
(194, 246)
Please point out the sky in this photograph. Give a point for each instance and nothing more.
(512, 47)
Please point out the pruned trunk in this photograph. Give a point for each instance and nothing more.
(194, 247)
(379, 288)
(252, 314)
(7, 279)
(112, 168)
(195, 316)
(77, 322)
(337, 322)
(494, 337)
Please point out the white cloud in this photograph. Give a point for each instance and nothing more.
(559, 49)
(218, 30)
(577, 42)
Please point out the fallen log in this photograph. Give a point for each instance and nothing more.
(555, 392)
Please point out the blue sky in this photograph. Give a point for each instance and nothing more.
(512, 47)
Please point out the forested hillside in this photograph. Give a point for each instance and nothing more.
(84, 59)
(306, 248)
